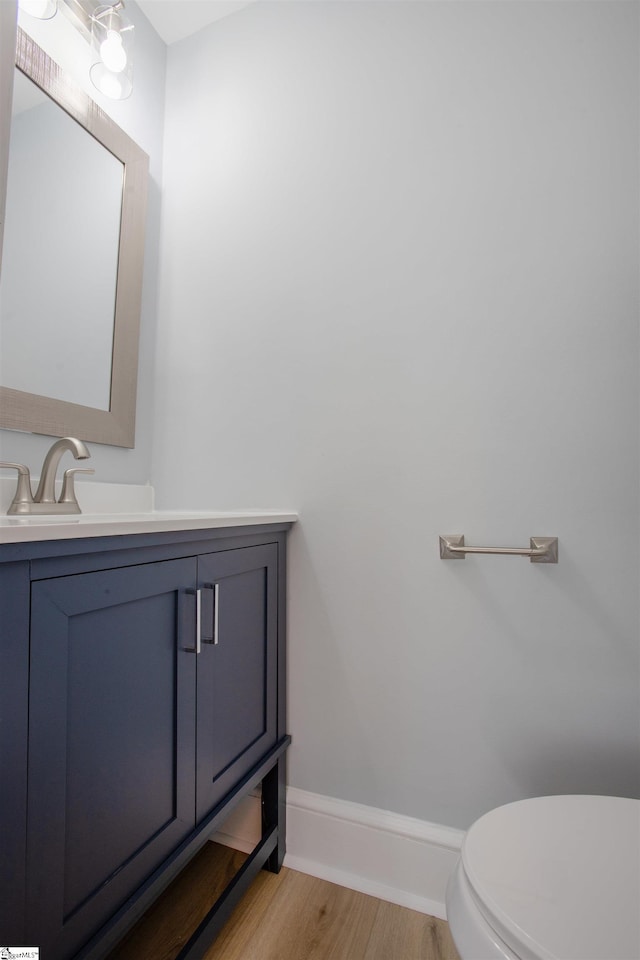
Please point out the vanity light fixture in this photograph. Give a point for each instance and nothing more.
(107, 29)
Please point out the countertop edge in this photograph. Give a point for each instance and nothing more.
(21, 530)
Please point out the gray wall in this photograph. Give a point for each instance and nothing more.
(142, 117)
(399, 292)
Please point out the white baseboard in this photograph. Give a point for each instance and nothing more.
(243, 828)
(396, 858)
(383, 854)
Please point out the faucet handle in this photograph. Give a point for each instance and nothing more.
(23, 494)
(68, 492)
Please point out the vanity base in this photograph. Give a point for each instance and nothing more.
(267, 854)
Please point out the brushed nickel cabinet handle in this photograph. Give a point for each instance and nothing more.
(198, 621)
(216, 613)
(209, 613)
(189, 618)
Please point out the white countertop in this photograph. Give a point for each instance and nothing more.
(29, 529)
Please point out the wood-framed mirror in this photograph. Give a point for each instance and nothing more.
(72, 258)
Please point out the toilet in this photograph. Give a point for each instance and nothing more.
(552, 878)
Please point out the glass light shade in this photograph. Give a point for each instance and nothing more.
(112, 38)
(42, 9)
(116, 86)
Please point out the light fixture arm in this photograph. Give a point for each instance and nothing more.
(112, 8)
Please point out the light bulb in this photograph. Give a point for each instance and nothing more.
(112, 53)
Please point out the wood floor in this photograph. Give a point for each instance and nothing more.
(288, 916)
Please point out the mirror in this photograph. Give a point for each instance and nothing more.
(72, 257)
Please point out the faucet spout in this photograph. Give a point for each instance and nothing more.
(46, 492)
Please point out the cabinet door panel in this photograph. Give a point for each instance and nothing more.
(237, 677)
(111, 763)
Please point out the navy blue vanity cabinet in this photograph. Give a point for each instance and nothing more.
(141, 698)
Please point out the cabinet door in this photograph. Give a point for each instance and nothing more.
(111, 756)
(237, 675)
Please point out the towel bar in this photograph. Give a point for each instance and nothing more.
(540, 549)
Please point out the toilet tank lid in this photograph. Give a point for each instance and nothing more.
(558, 878)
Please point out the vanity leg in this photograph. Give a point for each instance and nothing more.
(274, 812)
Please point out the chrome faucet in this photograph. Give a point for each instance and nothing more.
(44, 501)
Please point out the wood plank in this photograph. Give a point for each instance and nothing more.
(167, 925)
(285, 916)
(232, 896)
(307, 918)
(402, 934)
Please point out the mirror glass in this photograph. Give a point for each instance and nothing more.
(62, 233)
(72, 257)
